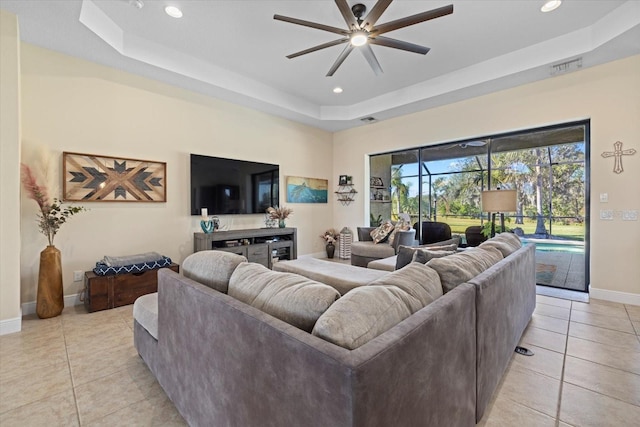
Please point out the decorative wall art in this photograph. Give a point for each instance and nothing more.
(375, 181)
(618, 152)
(307, 190)
(93, 178)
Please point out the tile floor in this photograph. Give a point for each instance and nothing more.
(82, 369)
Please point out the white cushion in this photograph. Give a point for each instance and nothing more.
(145, 312)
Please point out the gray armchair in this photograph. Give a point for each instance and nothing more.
(364, 250)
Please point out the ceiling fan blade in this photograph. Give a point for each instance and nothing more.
(348, 16)
(319, 47)
(375, 13)
(398, 44)
(411, 20)
(347, 50)
(371, 59)
(315, 25)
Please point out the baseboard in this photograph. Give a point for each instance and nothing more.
(614, 296)
(69, 301)
(10, 326)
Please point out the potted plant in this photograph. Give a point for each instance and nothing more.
(330, 237)
(49, 300)
(280, 214)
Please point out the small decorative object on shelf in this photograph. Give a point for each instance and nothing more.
(209, 225)
(330, 237)
(280, 214)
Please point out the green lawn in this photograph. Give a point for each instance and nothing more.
(572, 232)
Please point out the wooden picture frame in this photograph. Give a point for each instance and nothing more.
(97, 178)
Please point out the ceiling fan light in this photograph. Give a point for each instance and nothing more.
(359, 38)
(173, 12)
(551, 5)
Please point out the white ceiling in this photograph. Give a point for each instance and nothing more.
(235, 50)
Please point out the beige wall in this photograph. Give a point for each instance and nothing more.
(74, 105)
(9, 173)
(607, 94)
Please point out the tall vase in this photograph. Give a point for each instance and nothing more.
(50, 300)
(281, 223)
(331, 249)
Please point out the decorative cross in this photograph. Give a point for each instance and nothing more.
(618, 152)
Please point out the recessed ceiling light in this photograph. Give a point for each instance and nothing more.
(551, 5)
(337, 89)
(173, 12)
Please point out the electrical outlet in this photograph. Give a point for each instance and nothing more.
(630, 215)
(604, 197)
(606, 214)
(78, 276)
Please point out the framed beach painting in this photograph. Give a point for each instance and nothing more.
(94, 178)
(307, 190)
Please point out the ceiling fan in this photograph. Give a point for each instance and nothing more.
(362, 33)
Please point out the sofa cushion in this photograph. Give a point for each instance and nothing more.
(145, 312)
(463, 266)
(423, 256)
(289, 297)
(211, 268)
(384, 264)
(380, 234)
(506, 243)
(406, 253)
(417, 280)
(361, 315)
(371, 250)
(455, 240)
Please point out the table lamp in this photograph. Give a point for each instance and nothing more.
(498, 201)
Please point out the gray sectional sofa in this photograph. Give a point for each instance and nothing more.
(224, 362)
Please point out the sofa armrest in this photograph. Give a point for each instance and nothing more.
(404, 238)
(364, 234)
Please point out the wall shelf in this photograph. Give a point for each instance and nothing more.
(346, 194)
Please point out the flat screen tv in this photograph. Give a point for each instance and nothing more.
(228, 186)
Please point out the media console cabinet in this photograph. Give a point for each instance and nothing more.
(261, 245)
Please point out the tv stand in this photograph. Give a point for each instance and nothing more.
(262, 245)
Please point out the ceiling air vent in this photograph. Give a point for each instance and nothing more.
(368, 119)
(566, 67)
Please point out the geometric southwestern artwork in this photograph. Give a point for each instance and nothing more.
(91, 178)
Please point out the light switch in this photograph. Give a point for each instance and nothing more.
(630, 215)
(604, 197)
(606, 214)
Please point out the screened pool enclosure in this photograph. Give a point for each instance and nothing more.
(548, 168)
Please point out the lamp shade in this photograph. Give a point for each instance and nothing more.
(499, 200)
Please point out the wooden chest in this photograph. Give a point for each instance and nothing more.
(104, 292)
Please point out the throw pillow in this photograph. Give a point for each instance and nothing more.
(417, 280)
(405, 253)
(212, 268)
(506, 243)
(287, 296)
(401, 225)
(362, 314)
(380, 234)
(464, 266)
(423, 256)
